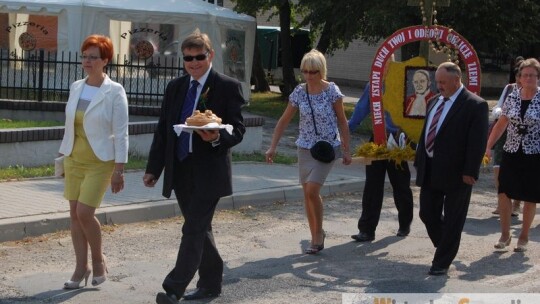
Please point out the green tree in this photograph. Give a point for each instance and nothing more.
(258, 76)
(490, 25)
(284, 8)
(289, 81)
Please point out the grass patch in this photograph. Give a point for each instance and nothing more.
(19, 172)
(16, 124)
(259, 157)
(135, 163)
(270, 104)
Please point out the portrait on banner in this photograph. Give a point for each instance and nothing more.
(419, 88)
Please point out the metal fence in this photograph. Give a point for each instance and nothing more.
(40, 75)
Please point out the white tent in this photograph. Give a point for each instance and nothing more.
(166, 22)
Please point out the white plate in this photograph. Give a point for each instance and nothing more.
(207, 127)
(211, 126)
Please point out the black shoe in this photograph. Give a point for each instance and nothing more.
(437, 271)
(163, 298)
(403, 232)
(201, 293)
(314, 249)
(363, 237)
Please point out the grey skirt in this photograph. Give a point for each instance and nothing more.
(312, 170)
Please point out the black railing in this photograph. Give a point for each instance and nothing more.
(40, 75)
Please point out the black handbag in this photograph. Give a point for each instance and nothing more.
(322, 150)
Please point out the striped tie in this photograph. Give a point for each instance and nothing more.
(430, 140)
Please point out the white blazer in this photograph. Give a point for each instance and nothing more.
(105, 121)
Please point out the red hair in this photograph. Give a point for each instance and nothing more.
(103, 43)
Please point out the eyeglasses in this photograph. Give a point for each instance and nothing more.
(89, 57)
(529, 75)
(309, 72)
(200, 57)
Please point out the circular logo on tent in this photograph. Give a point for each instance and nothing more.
(27, 42)
(144, 49)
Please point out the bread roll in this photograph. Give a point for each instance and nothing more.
(199, 119)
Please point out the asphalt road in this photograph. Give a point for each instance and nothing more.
(262, 248)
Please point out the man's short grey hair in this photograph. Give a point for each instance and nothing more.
(451, 68)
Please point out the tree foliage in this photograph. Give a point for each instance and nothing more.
(490, 25)
(285, 10)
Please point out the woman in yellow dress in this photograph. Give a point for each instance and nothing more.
(95, 146)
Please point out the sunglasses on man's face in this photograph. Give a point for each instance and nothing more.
(199, 57)
(309, 72)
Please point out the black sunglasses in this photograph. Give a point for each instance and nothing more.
(200, 57)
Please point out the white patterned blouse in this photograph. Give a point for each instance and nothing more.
(325, 116)
(524, 132)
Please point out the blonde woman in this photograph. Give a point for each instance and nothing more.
(322, 117)
(95, 146)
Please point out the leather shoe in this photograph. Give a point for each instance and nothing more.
(403, 232)
(437, 271)
(363, 237)
(201, 293)
(163, 298)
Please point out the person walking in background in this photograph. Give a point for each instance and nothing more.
(400, 179)
(95, 146)
(448, 159)
(197, 167)
(520, 164)
(322, 117)
(498, 147)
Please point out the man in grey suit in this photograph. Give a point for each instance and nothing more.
(448, 159)
(197, 167)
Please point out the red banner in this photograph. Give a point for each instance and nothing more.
(407, 35)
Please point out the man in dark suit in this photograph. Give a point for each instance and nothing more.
(197, 166)
(448, 159)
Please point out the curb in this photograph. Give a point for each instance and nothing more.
(14, 229)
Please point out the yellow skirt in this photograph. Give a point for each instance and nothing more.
(86, 176)
(87, 182)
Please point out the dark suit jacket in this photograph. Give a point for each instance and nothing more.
(459, 145)
(212, 175)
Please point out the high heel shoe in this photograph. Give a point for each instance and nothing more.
(99, 280)
(314, 249)
(500, 244)
(77, 284)
(521, 246)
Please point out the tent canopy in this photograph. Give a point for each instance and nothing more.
(160, 22)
